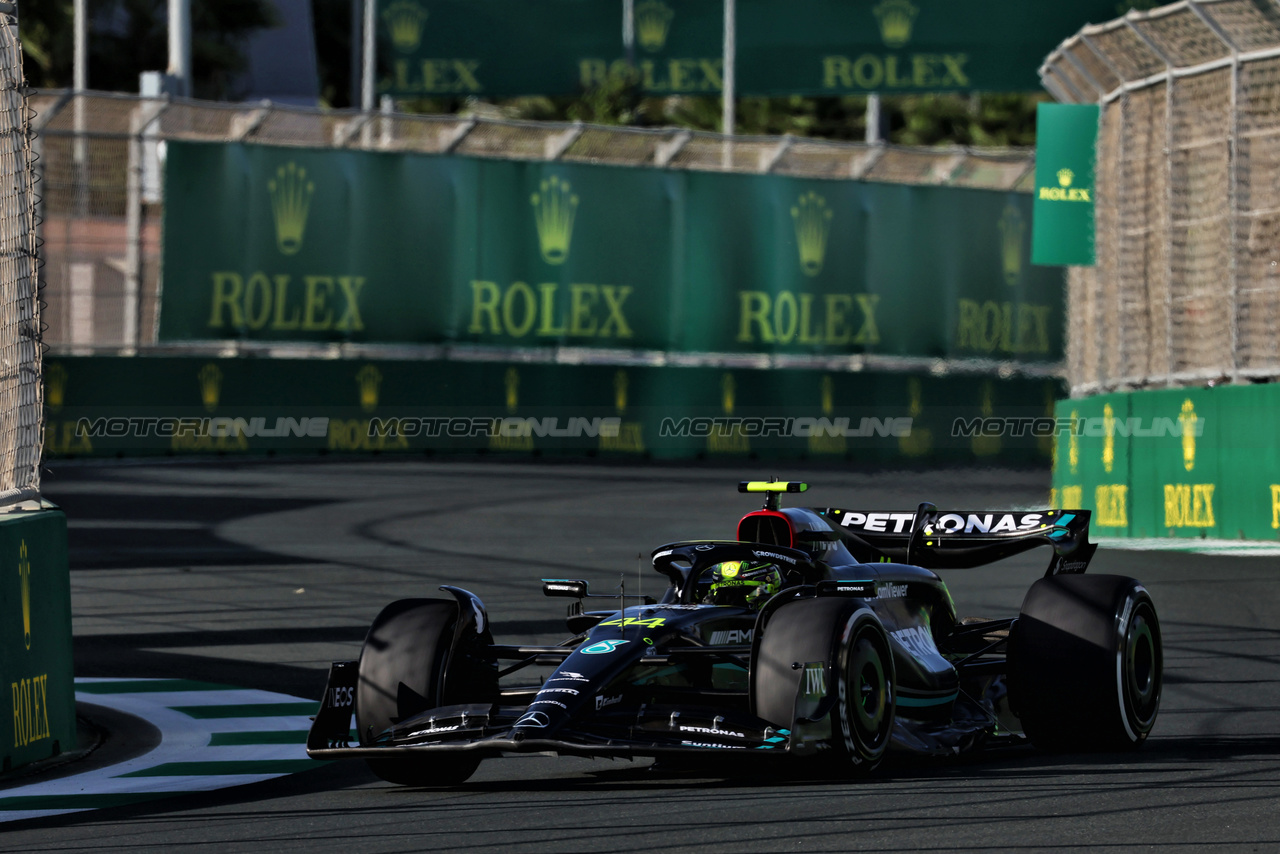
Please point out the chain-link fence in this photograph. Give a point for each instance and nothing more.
(20, 383)
(103, 195)
(1187, 283)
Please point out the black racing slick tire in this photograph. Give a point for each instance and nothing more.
(1086, 663)
(402, 673)
(856, 675)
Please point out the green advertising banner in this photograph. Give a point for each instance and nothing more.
(1174, 463)
(305, 245)
(1066, 139)
(35, 638)
(106, 406)
(819, 47)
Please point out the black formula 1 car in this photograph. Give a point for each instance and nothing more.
(843, 643)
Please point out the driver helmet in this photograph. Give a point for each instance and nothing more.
(746, 584)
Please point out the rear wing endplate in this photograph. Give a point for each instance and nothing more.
(957, 539)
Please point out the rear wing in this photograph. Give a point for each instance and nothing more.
(956, 539)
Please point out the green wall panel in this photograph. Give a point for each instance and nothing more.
(275, 244)
(1197, 462)
(102, 406)
(35, 637)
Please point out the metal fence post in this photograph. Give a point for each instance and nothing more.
(139, 119)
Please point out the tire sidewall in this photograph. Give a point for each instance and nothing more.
(1139, 664)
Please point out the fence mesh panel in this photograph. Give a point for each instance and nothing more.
(1186, 288)
(21, 419)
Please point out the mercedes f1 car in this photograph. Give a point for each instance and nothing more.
(819, 633)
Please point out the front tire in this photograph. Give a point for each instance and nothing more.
(865, 685)
(402, 673)
(1086, 663)
(853, 648)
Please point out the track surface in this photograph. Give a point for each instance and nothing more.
(259, 574)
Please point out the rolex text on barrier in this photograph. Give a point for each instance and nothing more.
(430, 48)
(294, 244)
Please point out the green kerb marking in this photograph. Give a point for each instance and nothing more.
(217, 769)
(248, 710)
(150, 686)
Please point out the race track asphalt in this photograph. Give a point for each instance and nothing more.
(257, 574)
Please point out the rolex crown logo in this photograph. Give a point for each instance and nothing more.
(554, 208)
(984, 445)
(1188, 419)
(1065, 177)
(1108, 437)
(291, 194)
(1073, 442)
(620, 391)
(512, 383)
(812, 220)
(1012, 229)
(653, 22)
(405, 20)
(896, 18)
(919, 441)
(24, 575)
(210, 386)
(55, 385)
(369, 378)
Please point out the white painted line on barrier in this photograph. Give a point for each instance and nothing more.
(1249, 548)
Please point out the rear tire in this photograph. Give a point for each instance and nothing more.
(402, 673)
(1086, 663)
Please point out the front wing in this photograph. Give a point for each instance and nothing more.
(618, 731)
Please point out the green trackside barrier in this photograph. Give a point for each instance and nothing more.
(430, 48)
(1194, 462)
(290, 244)
(105, 406)
(35, 637)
